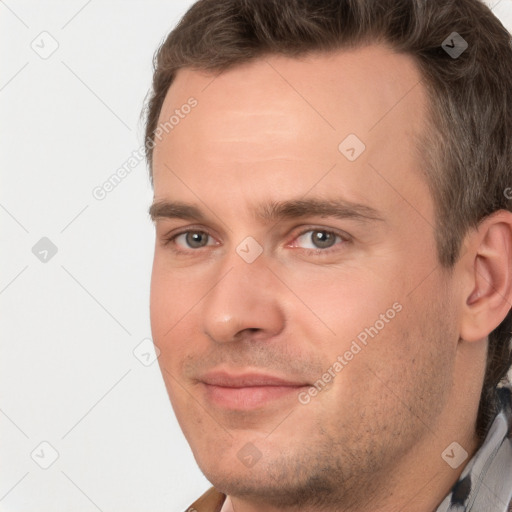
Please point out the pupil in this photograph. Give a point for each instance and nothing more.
(322, 239)
(196, 239)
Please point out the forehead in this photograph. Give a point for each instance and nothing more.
(281, 123)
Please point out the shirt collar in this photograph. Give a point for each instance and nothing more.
(486, 481)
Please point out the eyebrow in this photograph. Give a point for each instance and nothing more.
(274, 211)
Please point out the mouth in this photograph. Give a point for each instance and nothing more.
(248, 391)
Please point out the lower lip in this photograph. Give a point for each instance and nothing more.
(249, 397)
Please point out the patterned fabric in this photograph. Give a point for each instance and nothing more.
(485, 484)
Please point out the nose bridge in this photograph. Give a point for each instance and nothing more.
(243, 297)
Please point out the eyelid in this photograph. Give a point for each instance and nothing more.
(342, 234)
(208, 243)
(170, 237)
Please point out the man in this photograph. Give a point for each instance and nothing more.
(332, 279)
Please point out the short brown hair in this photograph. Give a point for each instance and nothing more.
(467, 145)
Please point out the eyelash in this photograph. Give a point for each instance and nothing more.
(344, 239)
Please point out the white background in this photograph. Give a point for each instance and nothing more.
(68, 374)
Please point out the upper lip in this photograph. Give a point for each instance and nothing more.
(242, 380)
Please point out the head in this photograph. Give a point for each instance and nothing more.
(334, 192)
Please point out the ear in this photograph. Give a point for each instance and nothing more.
(487, 274)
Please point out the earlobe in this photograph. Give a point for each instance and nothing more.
(490, 275)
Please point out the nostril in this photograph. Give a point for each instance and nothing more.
(248, 332)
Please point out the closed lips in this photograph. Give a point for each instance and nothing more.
(248, 380)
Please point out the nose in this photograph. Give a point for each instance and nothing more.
(243, 303)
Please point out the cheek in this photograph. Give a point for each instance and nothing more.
(174, 298)
(161, 301)
(340, 305)
(166, 310)
(170, 296)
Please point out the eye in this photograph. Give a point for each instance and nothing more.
(192, 239)
(317, 239)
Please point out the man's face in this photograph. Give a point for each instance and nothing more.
(301, 253)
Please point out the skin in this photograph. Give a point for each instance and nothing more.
(372, 439)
